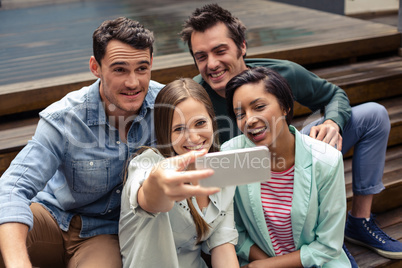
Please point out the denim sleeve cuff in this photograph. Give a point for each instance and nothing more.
(16, 212)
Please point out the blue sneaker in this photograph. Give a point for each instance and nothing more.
(366, 233)
(350, 257)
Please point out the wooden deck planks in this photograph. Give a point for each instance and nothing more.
(55, 40)
(45, 50)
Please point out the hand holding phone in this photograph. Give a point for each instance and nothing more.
(236, 167)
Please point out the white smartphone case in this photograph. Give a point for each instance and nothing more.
(236, 167)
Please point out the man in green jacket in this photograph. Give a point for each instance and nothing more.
(216, 40)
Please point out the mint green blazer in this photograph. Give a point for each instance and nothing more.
(318, 206)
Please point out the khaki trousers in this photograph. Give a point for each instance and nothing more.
(49, 246)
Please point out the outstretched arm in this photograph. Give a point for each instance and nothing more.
(168, 182)
(224, 256)
(13, 238)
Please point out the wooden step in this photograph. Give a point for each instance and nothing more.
(391, 223)
(38, 94)
(385, 83)
(15, 134)
(390, 197)
(370, 80)
(364, 81)
(392, 179)
(394, 108)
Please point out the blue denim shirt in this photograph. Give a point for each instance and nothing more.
(75, 163)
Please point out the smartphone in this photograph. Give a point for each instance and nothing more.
(236, 167)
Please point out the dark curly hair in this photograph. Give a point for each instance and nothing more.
(122, 29)
(208, 16)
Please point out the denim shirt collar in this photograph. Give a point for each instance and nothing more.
(96, 114)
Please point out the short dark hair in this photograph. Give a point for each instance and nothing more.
(274, 84)
(122, 29)
(208, 16)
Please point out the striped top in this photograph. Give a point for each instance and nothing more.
(276, 197)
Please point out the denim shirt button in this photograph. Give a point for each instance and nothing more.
(117, 191)
(109, 211)
(91, 163)
(118, 142)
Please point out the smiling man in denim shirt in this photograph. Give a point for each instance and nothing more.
(64, 186)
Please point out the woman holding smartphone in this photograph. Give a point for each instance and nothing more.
(297, 217)
(166, 218)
